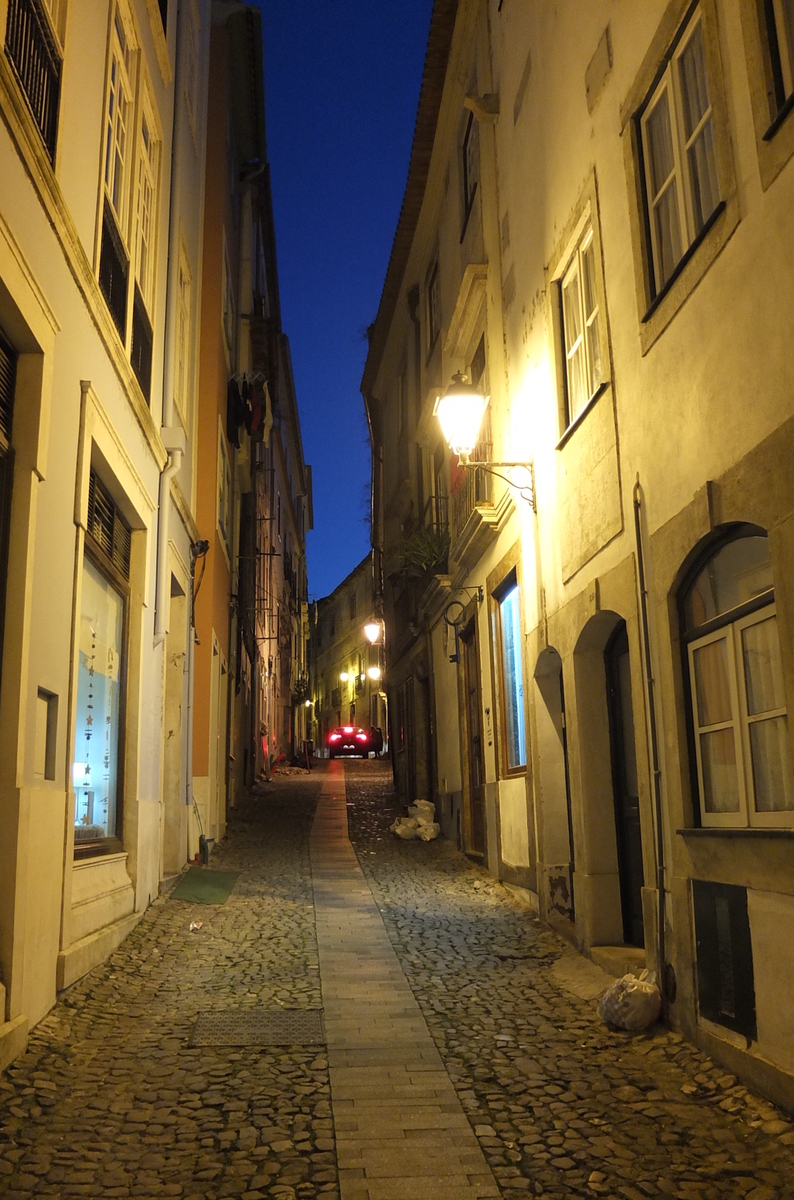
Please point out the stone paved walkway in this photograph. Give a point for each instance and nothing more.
(454, 1047)
(401, 1131)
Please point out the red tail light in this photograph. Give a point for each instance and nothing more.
(361, 737)
(335, 737)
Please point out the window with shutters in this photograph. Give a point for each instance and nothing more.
(97, 771)
(33, 48)
(737, 700)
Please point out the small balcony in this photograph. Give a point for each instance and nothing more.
(36, 59)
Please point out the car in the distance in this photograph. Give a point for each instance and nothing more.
(348, 739)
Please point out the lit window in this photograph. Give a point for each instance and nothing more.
(738, 705)
(581, 322)
(677, 134)
(96, 771)
(514, 746)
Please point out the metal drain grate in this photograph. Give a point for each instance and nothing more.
(259, 1027)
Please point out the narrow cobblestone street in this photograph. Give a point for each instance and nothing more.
(110, 1101)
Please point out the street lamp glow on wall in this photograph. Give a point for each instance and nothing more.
(460, 412)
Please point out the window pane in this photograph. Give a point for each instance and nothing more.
(720, 778)
(735, 574)
(95, 774)
(703, 175)
(771, 765)
(572, 311)
(513, 677)
(660, 145)
(578, 391)
(590, 293)
(694, 84)
(762, 667)
(712, 684)
(668, 233)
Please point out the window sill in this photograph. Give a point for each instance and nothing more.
(732, 832)
(579, 418)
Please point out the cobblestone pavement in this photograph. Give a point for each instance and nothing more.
(108, 1101)
(562, 1106)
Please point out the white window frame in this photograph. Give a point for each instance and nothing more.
(740, 721)
(594, 378)
(184, 330)
(225, 497)
(119, 141)
(669, 86)
(147, 203)
(784, 33)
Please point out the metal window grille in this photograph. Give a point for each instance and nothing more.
(726, 989)
(36, 60)
(113, 271)
(8, 371)
(142, 338)
(107, 527)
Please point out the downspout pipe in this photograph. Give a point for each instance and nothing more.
(161, 599)
(654, 744)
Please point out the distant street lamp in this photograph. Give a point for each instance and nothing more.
(460, 412)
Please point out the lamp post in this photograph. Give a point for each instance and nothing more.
(460, 412)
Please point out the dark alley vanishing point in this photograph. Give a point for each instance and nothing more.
(459, 1060)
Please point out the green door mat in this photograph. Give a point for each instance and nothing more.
(202, 886)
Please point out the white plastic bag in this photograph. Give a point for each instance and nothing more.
(423, 810)
(405, 828)
(427, 831)
(631, 1003)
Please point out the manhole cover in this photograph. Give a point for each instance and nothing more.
(259, 1027)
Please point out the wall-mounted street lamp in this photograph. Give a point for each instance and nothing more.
(372, 631)
(374, 672)
(307, 704)
(343, 675)
(460, 412)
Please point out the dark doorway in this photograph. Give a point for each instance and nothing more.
(474, 767)
(624, 782)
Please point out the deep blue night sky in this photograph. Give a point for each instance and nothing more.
(342, 84)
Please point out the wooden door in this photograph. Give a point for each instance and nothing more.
(474, 762)
(625, 786)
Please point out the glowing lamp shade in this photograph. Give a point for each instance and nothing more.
(372, 631)
(308, 703)
(460, 412)
(343, 675)
(374, 672)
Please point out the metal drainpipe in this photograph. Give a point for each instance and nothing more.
(657, 774)
(161, 601)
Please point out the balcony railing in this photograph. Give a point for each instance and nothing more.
(37, 61)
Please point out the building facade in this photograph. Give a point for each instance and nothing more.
(135, 234)
(597, 232)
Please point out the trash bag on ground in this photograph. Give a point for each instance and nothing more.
(405, 828)
(631, 1003)
(427, 831)
(424, 810)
